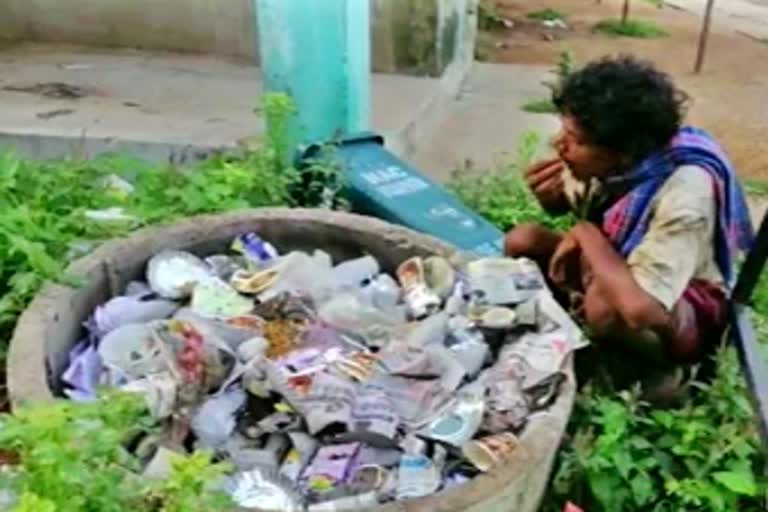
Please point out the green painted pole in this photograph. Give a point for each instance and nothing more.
(318, 52)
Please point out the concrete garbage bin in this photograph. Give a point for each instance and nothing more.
(52, 324)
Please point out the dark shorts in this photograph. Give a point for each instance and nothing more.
(700, 315)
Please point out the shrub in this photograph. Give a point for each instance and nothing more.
(630, 28)
(546, 15)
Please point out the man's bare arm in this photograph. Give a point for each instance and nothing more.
(636, 307)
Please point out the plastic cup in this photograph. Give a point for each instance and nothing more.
(489, 452)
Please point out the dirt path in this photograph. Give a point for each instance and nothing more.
(730, 98)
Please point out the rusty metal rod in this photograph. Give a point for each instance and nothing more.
(704, 36)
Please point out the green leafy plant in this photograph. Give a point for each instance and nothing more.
(72, 459)
(539, 107)
(547, 14)
(32, 503)
(563, 68)
(71, 455)
(190, 486)
(488, 15)
(320, 181)
(629, 28)
(757, 188)
(703, 456)
(278, 109)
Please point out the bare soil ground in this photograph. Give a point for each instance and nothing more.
(729, 98)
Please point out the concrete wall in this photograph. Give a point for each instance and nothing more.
(457, 32)
(210, 26)
(416, 36)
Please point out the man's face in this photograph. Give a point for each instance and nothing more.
(585, 160)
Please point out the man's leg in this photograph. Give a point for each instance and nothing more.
(633, 356)
(605, 323)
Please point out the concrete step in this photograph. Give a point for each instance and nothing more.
(162, 105)
(158, 104)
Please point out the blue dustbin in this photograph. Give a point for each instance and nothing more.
(382, 185)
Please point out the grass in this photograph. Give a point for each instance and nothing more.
(488, 15)
(546, 15)
(631, 28)
(539, 107)
(756, 187)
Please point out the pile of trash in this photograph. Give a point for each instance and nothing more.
(330, 387)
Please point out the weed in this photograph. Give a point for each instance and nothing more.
(187, 489)
(319, 181)
(278, 109)
(546, 15)
(539, 107)
(563, 68)
(488, 15)
(630, 28)
(72, 459)
(481, 54)
(65, 447)
(756, 187)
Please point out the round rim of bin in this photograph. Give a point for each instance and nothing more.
(27, 373)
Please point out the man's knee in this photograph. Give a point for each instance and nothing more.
(605, 323)
(524, 240)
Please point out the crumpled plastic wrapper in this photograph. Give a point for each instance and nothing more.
(501, 281)
(214, 422)
(126, 310)
(461, 419)
(83, 374)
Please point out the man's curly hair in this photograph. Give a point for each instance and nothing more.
(623, 104)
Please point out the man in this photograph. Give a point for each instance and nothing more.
(663, 219)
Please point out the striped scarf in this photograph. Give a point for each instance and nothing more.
(626, 221)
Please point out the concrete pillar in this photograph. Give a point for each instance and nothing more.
(318, 52)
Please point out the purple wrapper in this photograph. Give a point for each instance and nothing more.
(82, 375)
(331, 467)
